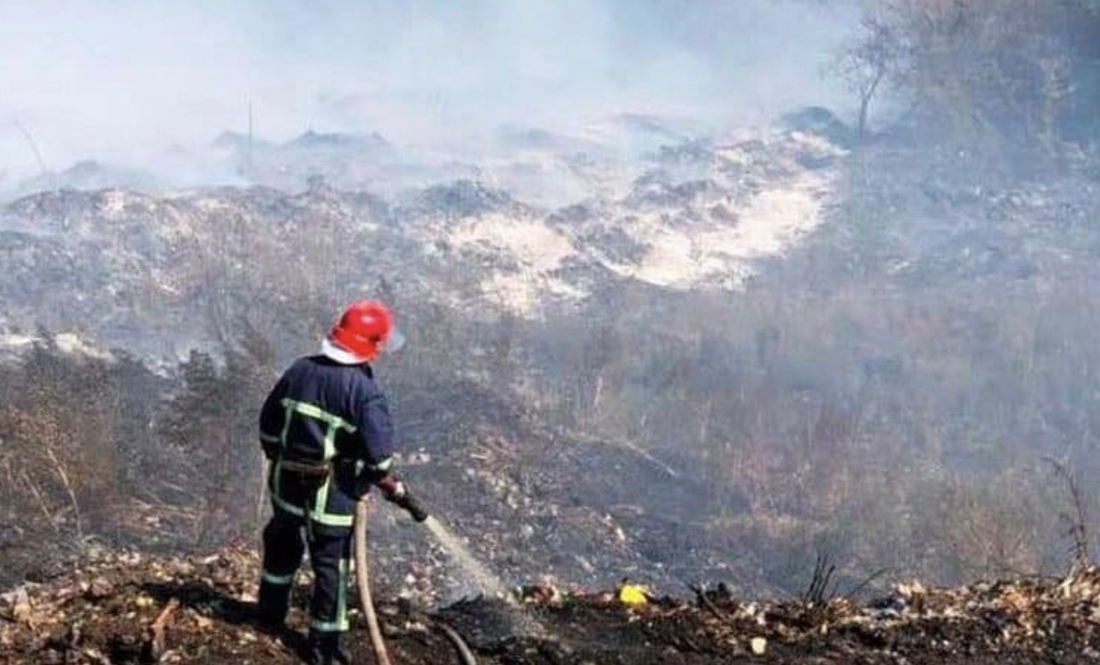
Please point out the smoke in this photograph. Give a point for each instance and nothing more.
(127, 80)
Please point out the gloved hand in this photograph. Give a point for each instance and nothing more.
(397, 493)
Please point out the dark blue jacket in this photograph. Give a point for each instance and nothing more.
(324, 413)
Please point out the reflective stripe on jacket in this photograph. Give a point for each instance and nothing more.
(322, 412)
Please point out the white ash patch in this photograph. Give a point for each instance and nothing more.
(755, 198)
(73, 344)
(713, 253)
(533, 251)
(16, 344)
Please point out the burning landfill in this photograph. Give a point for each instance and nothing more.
(693, 292)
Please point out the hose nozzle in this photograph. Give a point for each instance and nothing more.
(416, 509)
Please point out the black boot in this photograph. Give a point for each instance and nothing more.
(325, 649)
(273, 604)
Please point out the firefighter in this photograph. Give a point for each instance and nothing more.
(327, 432)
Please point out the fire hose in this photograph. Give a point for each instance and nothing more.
(362, 579)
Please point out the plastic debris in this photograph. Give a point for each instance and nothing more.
(758, 645)
(633, 595)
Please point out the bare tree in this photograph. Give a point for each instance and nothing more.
(1077, 519)
(867, 62)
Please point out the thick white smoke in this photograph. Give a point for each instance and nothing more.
(127, 80)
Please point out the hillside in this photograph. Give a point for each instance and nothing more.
(697, 216)
(147, 280)
(791, 350)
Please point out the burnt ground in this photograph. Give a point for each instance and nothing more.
(103, 613)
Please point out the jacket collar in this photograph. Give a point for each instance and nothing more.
(340, 355)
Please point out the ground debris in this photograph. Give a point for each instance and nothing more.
(129, 609)
(156, 645)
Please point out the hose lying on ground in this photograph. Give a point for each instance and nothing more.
(464, 652)
(362, 578)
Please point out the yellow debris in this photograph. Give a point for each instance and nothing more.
(633, 595)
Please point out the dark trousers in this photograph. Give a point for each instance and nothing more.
(330, 558)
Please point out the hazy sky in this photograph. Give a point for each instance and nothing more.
(123, 79)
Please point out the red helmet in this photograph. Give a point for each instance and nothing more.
(362, 332)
